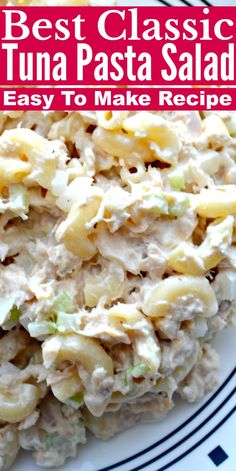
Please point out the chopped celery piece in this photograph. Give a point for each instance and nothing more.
(63, 303)
(176, 181)
(79, 398)
(52, 327)
(66, 322)
(75, 401)
(179, 205)
(155, 203)
(14, 314)
(124, 379)
(140, 369)
(39, 329)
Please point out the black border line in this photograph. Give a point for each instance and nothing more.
(186, 2)
(207, 3)
(164, 453)
(164, 2)
(171, 434)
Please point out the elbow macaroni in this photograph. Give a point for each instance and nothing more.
(164, 296)
(128, 149)
(13, 171)
(19, 402)
(76, 348)
(91, 356)
(158, 132)
(216, 203)
(32, 148)
(73, 231)
(190, 260)
(124, 313)
(66, 388)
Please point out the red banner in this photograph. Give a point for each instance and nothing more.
(117, 45)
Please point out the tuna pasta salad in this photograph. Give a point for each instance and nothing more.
(118, 267)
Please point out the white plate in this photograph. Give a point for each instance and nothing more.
(183, 441)
(192, 437)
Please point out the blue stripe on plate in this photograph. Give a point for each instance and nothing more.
(153, 460)
(199, 442)
(180, 427)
